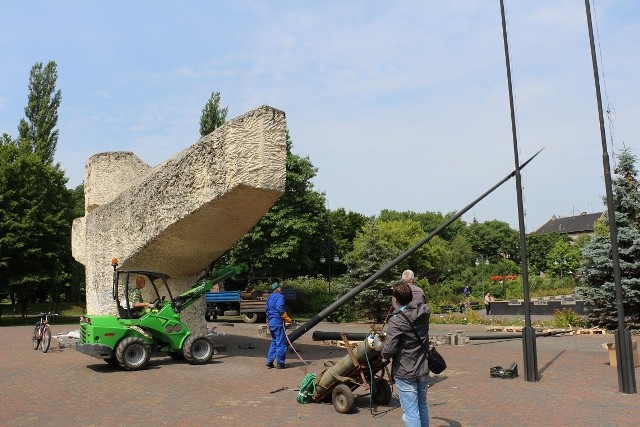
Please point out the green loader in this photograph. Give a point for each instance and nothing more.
(129, 339)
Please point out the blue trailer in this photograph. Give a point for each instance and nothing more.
(250, 305)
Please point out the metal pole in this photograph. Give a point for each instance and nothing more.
(329, 268)
(624, 355)
(528, 333)
(302, 329)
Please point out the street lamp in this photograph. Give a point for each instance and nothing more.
(323, 259)
(560, 263)
(478, 262)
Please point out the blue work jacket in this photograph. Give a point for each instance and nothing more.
(275, 307)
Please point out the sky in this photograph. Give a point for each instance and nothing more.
(399, 105)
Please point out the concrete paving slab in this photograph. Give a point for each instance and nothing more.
(577, 386)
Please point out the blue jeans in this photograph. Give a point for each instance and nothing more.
(413, 399)
(278, 347)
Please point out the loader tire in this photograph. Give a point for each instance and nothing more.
(197, 350)
(133, 354)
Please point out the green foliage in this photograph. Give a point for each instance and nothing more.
(371, 254)
(77, 197)
(348, 311)
(41, 112)
(429, 221)
(601, 226)
(460, 257)
(312, 295)
(598, 288)
(563, 259)
(284, 243)
(35, 223)
(538, 248)
(395, 237)
(493, 240)
(212, 115)
(36, 208)
(343, 229)
(548, 286)
(567, 318)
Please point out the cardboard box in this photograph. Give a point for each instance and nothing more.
(611, 348)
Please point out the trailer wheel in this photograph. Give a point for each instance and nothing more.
(250, 317)
(382, 391)
(342, 398)
(133, 354)
(198, 350)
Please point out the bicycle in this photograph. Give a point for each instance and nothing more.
(42, 332)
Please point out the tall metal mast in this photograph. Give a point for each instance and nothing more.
(624, 355)
(528, 333)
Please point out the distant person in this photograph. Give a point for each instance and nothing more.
(487, 302)
(276, 318)
(466, 291)
(416, 291)
(409, 366)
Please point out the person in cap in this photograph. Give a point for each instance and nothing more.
(135, 298)
(276, 318)
(416, 291)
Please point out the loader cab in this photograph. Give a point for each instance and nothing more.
(155, 289)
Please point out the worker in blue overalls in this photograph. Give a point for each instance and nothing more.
(276, 318)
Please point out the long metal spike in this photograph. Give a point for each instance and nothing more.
(302, 329)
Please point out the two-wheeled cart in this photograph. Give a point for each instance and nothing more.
(361, 367)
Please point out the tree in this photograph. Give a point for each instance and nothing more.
(493, 240)
(34, 223)
(563, 259)
(41, 112)
(428, 220)
(212, 115)
(286, 242)
(74, 290)
(598, 288)
(35, 205)
(460, 256)
(77, 196)
(343, 229)
(368, 256)
(538, 248)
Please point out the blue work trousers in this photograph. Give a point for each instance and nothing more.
(278, 347)
(413, 399)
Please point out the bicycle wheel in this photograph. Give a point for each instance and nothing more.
(36, 338)
(46, 339)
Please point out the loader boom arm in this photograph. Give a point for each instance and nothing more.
(205, 283)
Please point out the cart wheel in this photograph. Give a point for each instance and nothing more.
(342, 398)
(382, 392)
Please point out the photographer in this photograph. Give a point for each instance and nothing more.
(409, 366)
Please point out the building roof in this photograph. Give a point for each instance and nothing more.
(582, 223)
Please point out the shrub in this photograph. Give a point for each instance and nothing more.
(566, 318)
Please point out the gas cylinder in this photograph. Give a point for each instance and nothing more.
(368, 349)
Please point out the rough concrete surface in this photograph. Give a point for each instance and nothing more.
(577, 386)
(179, 216)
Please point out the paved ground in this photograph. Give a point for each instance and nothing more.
(577, 386)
